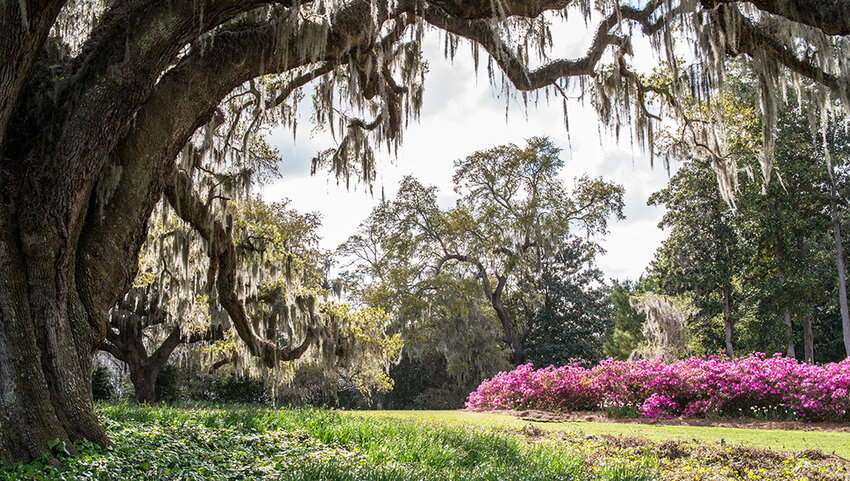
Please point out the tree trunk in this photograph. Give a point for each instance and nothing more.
(808, 339)
(786, 305)
(839, 262)
(144, 384)
(143, 372)
(727, 323)
(789, 332)
(45, 350)
(517, 355)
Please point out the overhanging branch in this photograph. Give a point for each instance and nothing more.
(189, 207)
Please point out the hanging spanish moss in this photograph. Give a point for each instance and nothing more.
(665, 329)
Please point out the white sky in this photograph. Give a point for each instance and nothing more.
(461, 115)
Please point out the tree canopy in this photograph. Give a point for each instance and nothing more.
(515, 223)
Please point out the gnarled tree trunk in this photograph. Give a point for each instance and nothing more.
(69, 251)
(127, 345)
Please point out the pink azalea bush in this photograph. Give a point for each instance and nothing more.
(754, 385)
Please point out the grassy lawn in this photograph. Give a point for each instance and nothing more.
(255, 443)
(238, 442)
(829, 442)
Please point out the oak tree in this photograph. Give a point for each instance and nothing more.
(107, 106)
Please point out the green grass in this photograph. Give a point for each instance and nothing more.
(238, 442)
(775, 439)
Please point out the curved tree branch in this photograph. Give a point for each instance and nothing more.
(24, 34)
(189, 207)
(830, 16)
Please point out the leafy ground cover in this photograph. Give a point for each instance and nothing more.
(776, 387)
(233, 442)
(238, 442)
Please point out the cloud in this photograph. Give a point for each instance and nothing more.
(461, 115)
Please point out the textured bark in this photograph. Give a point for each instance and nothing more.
(808, 340)
(23, 36)
(727, 323)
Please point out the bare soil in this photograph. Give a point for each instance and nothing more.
(742, 422)
(693, 460)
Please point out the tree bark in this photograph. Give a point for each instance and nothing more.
(808, 339)
(786, 305)
(727, 323)
(517, 355)
(45, 354)
(839, 260)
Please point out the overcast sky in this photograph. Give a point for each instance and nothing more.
(460, 115)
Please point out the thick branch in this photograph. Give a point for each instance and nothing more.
(114, 350)
(751, 39)
(160, 357)
(515, 69)
(830, 16)
(23, 35)
(180, 194)
(184, 100)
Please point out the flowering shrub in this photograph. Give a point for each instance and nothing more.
(753, 385)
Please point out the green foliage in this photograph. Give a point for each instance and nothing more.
(424, 383)
(289, 445)
(574, 318)
(101, 384)
(627, 334)
(771, 255)
(239, 389)
(621, 411)
(701, 255)
(235, 388)
(313, 386)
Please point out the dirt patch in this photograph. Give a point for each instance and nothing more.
(742, 422)
(543, 416)
(694, 460)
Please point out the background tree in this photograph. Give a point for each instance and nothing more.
(627, 323)
(511, 263)
(701, 254)
(575, 316)
(772, 251)
(172, 303)
(138, 320)
(666, 326)
(513, 213)
(98, 99)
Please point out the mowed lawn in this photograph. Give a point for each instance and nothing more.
(775, 439)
